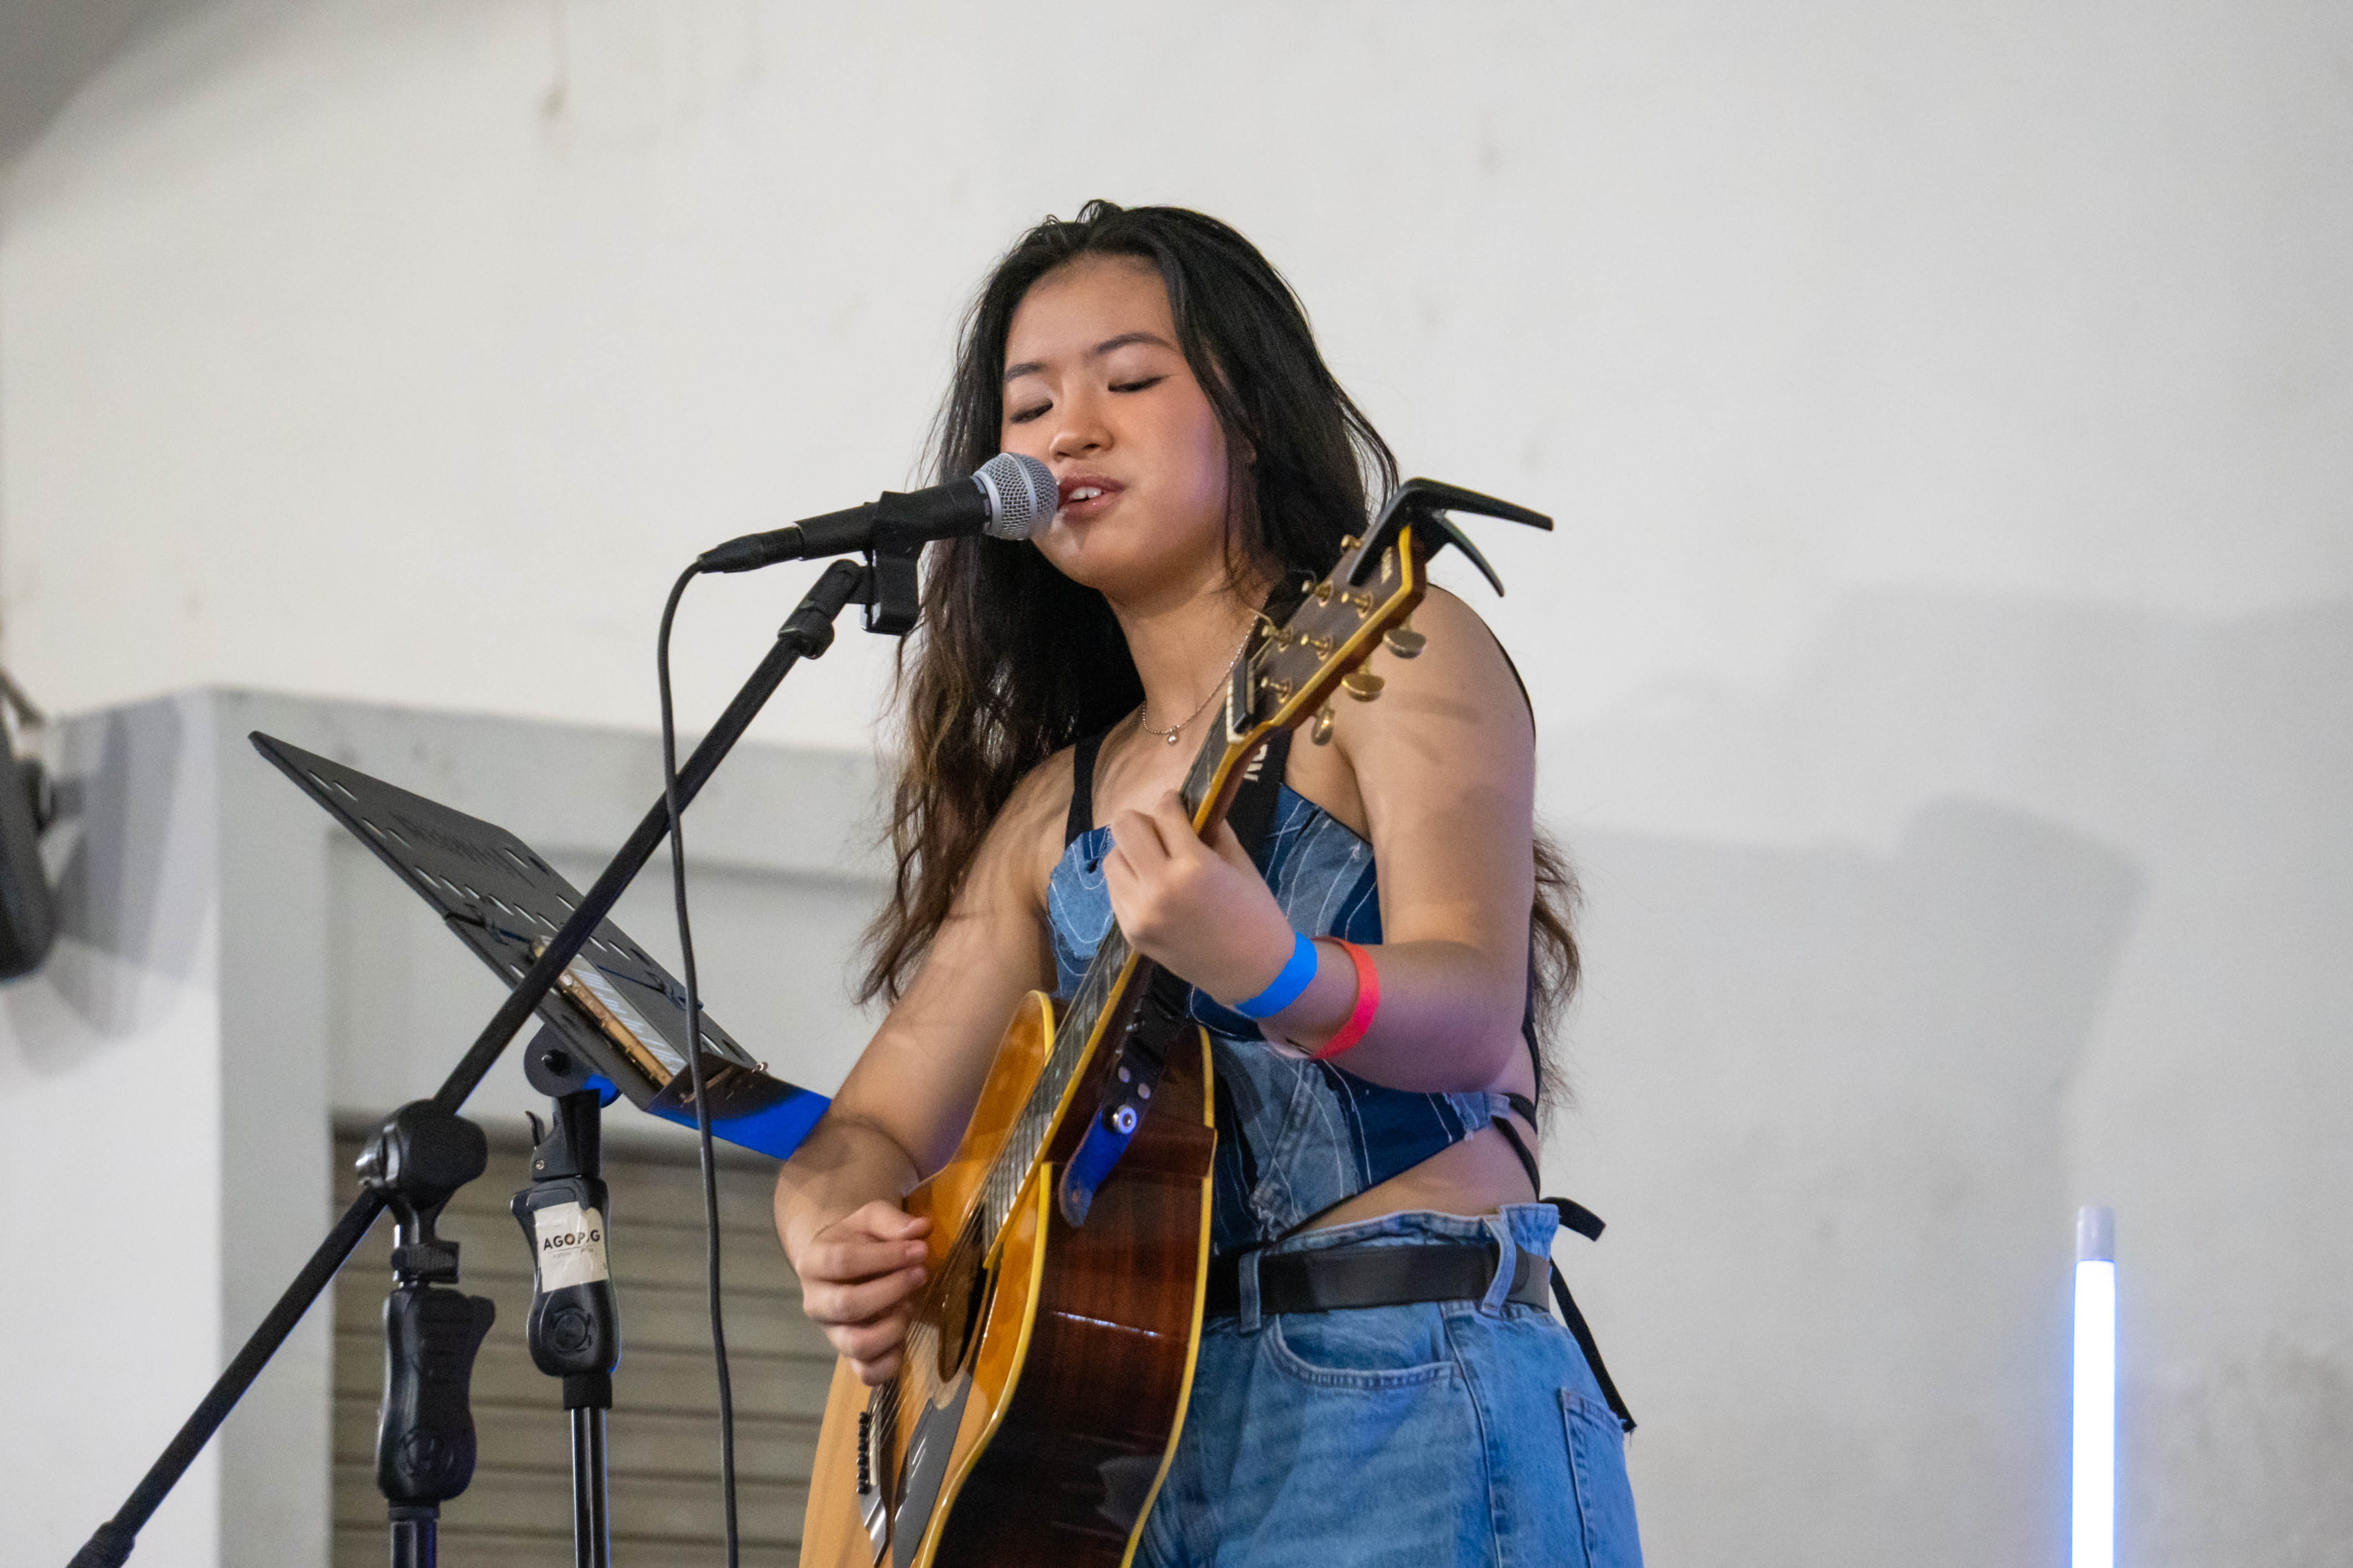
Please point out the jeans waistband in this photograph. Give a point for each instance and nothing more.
(1338, 1279)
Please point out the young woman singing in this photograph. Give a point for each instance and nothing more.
(1407, 913)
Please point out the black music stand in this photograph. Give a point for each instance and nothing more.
(613, 1005)
(615, 1021)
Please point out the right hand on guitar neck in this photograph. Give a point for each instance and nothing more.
(859, 1275)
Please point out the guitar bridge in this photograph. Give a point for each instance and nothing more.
(873, 1513)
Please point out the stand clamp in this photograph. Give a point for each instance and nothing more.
(574, 1327)
(425, 1429)
(893, 594)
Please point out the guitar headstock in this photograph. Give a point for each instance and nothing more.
(1300, 667)
(1293, 671)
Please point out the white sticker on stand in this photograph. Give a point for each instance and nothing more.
(570, 1245)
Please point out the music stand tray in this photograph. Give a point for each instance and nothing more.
(614, 1006)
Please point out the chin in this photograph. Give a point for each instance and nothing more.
(1095, 569)
(1092, 553)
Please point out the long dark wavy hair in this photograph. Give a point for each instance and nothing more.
(1014, 661)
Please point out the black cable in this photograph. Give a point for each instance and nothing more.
(695, 1061)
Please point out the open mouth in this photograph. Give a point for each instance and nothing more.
(1082, 495)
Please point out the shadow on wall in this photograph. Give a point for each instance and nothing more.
(128, 856)
(2273, 1424)
(1845, 1072)
(1840, 1102)
(50, 49)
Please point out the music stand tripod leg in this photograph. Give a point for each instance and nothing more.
(574, 1327)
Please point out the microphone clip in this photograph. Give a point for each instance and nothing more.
(894, 589)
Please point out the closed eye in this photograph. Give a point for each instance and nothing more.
(1148, 382)
(1023, 417)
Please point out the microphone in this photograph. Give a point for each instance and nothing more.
(1009, 497)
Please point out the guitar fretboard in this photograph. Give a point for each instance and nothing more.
(1110, 980)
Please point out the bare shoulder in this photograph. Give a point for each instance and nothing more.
(1461, 656)
(1458, 690)
(1443, 718)
(1025, 839)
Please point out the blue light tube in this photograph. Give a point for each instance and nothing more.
(2096, 1389)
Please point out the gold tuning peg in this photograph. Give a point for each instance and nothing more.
(1404, 641)
(1321, 731)
(1362, 684)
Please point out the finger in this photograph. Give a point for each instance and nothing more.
(1223, 843)
(846, 1304)
(882, 1219)
(870, 1342)
(876, 1222)
(848, 1262)
(1130, 897)
(872, 1350)
(1119, 877)
(836, 1256)
(1175, 825)
(1169, 814)
(1139, 837)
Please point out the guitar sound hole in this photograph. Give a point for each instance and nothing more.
(962, 1293)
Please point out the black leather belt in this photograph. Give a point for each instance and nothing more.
(1343, 1276)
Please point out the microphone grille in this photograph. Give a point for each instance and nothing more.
(1023, 495)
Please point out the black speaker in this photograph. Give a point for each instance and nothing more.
(28, 915)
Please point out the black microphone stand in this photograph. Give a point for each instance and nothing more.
(885, 584)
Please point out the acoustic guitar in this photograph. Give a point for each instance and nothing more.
(1051, 1351)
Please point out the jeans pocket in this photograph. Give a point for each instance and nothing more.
(1363, 1347)
(1596, 1466)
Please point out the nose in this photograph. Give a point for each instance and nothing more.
(1079, 429)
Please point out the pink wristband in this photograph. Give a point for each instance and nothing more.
(1368, 1000)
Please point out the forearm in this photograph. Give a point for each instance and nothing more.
(1448, 1022)
(848, 1161)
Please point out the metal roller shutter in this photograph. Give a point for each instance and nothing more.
(664, 1458)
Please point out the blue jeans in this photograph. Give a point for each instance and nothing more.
(1440, 1433)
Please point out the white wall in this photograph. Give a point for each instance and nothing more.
(1943, 658)
(112, 1158)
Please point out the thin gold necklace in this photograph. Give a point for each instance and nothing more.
(1143, 714)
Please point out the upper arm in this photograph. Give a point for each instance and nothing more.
(1444, 766)
(920, 1074)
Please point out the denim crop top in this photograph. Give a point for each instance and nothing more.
(1294, 1137)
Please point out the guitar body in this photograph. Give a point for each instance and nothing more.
(1044, 1382)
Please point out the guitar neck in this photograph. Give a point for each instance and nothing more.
(1116, 978)
(1284, 674)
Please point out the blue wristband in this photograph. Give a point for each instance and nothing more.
(1284, 989)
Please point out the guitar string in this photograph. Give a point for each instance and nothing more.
(1009, 1169)
(1000, 1187)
